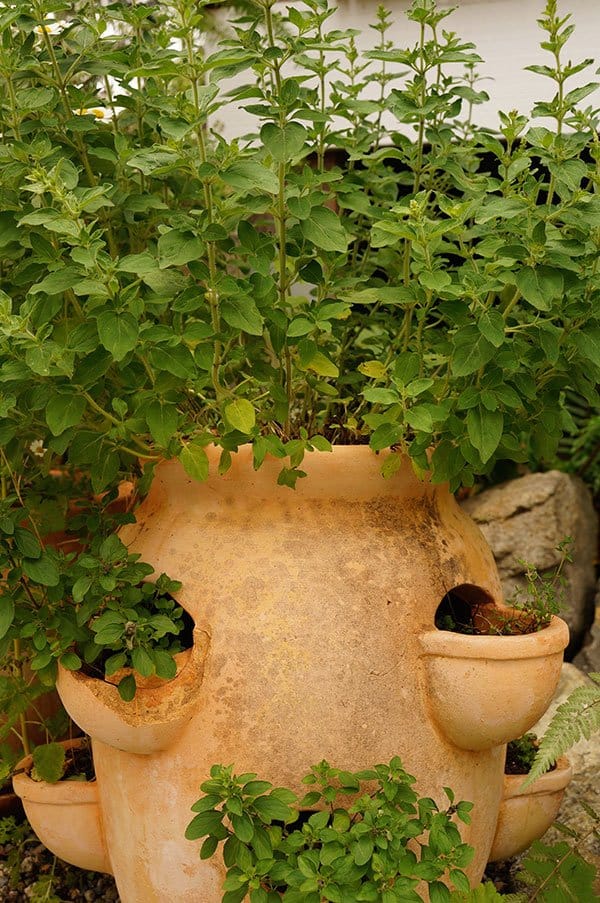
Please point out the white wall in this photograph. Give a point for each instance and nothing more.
(506, 35)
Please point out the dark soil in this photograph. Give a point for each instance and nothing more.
(29, 871)
(79, 764)
(520, 754)
(460, 616)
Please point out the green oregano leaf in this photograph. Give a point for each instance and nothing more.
(194, 460)
(48, 763)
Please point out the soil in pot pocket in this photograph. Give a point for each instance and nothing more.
(520, 754)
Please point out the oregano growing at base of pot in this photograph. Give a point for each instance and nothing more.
(377, 848)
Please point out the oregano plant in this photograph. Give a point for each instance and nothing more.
(386, 845)
(358, 267)
(165, 287)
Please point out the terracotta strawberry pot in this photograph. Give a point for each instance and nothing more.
(310, 607)
(66, 816)
(527, 813)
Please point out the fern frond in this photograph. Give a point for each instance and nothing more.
(575, 719)
(558, 873)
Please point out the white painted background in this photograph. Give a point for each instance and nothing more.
(506, 35)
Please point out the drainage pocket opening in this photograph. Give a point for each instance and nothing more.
(460, 607)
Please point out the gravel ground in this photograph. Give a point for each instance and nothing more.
(27, 868)
(30, 873)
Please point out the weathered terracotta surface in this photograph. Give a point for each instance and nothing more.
(315, 603)
(155, 717)
(527, 813)
(66, 816)
(487, 690)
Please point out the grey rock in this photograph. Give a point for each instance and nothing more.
(525, 520)
(588, 658)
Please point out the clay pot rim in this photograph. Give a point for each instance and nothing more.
(358, 475)
(145, 687)
(548, 641)
(550, 782)
(63, 793)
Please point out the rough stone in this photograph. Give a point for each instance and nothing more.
(525, 520)
(588, 658)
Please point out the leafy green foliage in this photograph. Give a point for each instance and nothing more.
(48, 763)
(558, 872)
(483, 893)
(379, 848)
(575, 719)
(18, 836)
(531, 608)
(89, 606)
(579, 449)
(543, 595)
(15, 834)
(163, 288)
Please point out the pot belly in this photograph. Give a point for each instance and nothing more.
(314, 608)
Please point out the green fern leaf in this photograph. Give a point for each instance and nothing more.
(558, 873)
(575, 719)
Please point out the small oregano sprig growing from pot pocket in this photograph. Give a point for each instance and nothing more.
(96, 605)
(378, 848)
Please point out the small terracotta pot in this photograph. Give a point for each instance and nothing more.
(156, 715)
(487, 690)
(527, 813)
(66, 816)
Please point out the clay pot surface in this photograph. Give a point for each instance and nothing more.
(313, 604)
(487, 690)
(527, 813)
(155, 717)
(66, 816)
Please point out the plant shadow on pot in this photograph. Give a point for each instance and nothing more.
(488, 687)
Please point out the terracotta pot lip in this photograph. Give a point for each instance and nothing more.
(183, 660)
(357, 470)
(550, 782)
(548, 641)
(63, 793)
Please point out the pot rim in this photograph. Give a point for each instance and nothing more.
(551, 640)
(63, 793)
(146, 688)
(551, 782)
(357, 475)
